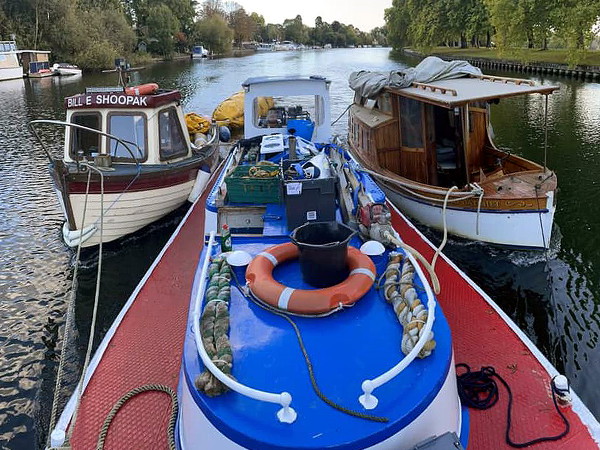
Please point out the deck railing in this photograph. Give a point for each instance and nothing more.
(286, 414)
(367, 399)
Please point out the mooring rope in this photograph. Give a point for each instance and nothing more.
(68, 321)
(341, 115)
(445, 239)
(132, 393)
(88, 353)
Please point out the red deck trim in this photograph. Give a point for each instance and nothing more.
(146, 181)
(481, 337)
(146, 348)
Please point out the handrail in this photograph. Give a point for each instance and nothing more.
(367, 399)
(286, 414)
(434, 88)
(31, 124)
(493, 78)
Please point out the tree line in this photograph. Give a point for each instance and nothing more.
(92, 33)
(506, 24)
(223, 24)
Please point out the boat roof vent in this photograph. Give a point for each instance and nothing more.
(104, 89)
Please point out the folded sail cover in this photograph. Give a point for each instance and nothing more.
(370, 84)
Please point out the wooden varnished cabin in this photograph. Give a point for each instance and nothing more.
(423, 140)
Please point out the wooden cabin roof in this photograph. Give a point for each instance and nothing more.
(373, 118)
(460, 91)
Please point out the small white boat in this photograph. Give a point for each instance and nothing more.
(65, 69)
(199, 52)
(265, 47)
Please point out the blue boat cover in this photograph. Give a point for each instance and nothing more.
(347, 347)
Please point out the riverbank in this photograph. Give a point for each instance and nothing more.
(525, 60)
(235, 52)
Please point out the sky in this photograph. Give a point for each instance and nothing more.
(363, 14)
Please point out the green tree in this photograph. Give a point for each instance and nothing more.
(162, 25)
(242, 24)
(214, 33)
(259, 26)
(295, 30)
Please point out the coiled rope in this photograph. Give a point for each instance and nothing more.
(132, 393)
(478, 390)
(400, 291)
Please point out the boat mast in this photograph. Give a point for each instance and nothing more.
(545, 132)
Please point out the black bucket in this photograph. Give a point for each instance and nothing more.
(323, 252)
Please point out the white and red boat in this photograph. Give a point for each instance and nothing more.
(278, 364)
(127, 156)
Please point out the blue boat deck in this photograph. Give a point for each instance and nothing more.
(345, 348)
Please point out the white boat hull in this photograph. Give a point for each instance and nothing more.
(124, 213)
(442, 415)
(527, 229)
(11, 73)
(67, 72)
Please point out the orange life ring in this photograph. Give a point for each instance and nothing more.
(142, 89)
(308, 301)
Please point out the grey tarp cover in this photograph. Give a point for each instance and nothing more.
(369, 84)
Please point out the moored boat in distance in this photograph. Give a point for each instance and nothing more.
(127, 160)
(290, 341)
(199, 52)
(66, 69)
(427, 139)
(36, 63)
(10, 67)
(265, 47)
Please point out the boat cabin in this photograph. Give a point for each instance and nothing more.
(36, 63)
(154, 123)
(10, 67)
(438, 133)
(309, 117)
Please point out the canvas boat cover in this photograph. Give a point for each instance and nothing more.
(370, 84)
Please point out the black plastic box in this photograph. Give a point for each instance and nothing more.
(309, 201)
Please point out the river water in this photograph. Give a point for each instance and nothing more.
(553, 297)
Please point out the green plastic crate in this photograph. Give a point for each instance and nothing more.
(244, 189)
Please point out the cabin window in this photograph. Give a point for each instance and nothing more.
(131, 128)
(172, 140)
(411, 123)
(85, 141)
(289, 112)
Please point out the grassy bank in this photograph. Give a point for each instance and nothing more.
(589, 58)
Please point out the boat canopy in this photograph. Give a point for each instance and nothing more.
(370, 84)
(442, 83)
